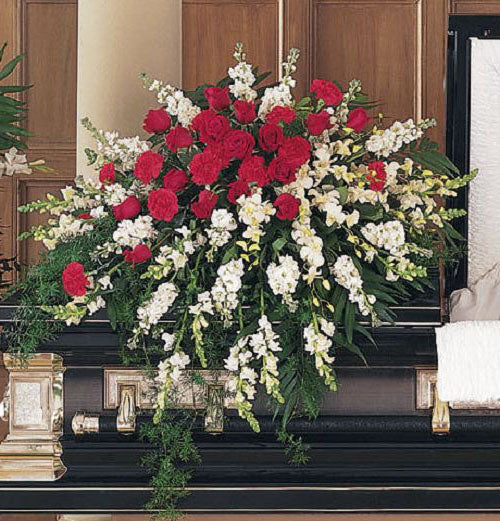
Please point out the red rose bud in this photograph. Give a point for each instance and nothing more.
(148, 166)
(357, 120)
(318, 123)
(162, 204)
(107, 174)
(175, 180)
(376, 175)
(236, 190)
(129, 209)
(281, 114)
(238, 144)
(141, 253)
(253, 170)
(281, 170)
(296, 151)
(205, 168)
(218, 99)
(203, 208)
(178, 137)
(287, 207)
(157, 122)
(84, 216)
(270, 137)
(244, 111)
(327, 91)
(75, 282)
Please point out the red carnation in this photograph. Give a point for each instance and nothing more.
(253, 170)
(357, 120)
(175, 180)
(327, 91)
(141, 253)
(204, 206)
(317, 123)
(238, 144)
(280, 114)
(281, 170)
(107, 174)
(205, 168)
(211, 126)
(270, 137)
(288, 207)
(236, 190)
(244, 111)
(218, 99)
(75, 282)
(156, 122)
(162, 204)
(178, 137)
(129, 209)
(376, 175)
(295, 150)
(148, 166)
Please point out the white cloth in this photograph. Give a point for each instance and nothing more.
(469, 361)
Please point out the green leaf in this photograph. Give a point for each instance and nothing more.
(349, 321)
(230, 254)
(279, 243)
(10, 66)
(14, 88)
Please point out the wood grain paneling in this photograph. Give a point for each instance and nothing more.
(475, 7)
(210, 28)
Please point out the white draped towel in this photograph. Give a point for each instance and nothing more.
(469, 361)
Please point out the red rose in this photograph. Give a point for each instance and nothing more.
(148, 166)
(317, 123)
(253, 170)
(288, 207)
(218, 99)
(357, 120)
(175, 180)
(129, 209)
(280, 114)
(84, 216)
(238, 144)
(295, 150)
(162, 204)
(204, 206)
(107, 174)
(270, 137)
(376, 175)
(281, 170)
(156, 122)
(236, 190)
(205, 168)
(244, 111)
(178, 137)
(327, 91)
(75, 282)
(211, 126)
(141, 253)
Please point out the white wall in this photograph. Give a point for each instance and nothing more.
(117, 40)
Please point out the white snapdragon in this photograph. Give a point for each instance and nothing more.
(131, 233)
(389, 235)
(318, 343)
(254, 213)
(14, 163)
(151, 311)
(242, 76)
(224, 292)
(96, 303)
(219, 233)
(283, 279)
(169, 374)
(65, 228)
(347, 275)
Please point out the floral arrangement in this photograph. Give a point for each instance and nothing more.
(250, 231)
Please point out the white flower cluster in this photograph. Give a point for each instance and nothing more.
(124, 150)
(283, 279)
(389, 235)
(63, 230)
(243, 80)
(14, 163)
(219, 233)
(151, 311)
(347, 275)
(169, 370)
(225, 289)
(254, 213)
(329, 202)
(318, 342)
(384, 143)
(130, 233)
(176, 104)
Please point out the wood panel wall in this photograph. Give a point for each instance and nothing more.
(396, 47)
(475, 7)
(46, 32)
